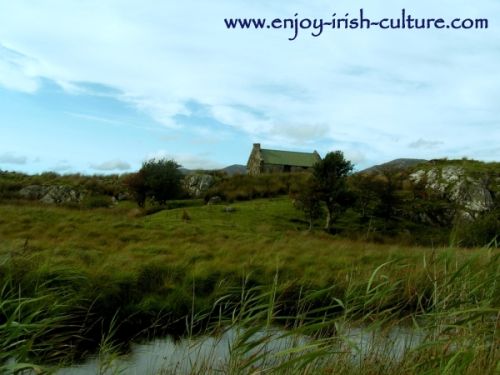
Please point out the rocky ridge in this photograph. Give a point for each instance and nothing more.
(57, 194)
(470, 195)
(197, 184)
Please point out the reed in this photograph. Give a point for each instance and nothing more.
(81, 283)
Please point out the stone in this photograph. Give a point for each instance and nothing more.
(33, 192)
(198, 184)
(61, 194)
(123, 197)
(229, 209)
(452, 174)
(214, 200)
(417, 177)
(469, 195)
(57, 194)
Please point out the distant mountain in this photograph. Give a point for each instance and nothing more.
(231, 170)
(394, 164)
(235, 169)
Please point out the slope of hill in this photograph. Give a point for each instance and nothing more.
(230, 170)
(235, 169)
(395, 164)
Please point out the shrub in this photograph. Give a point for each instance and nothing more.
(307, 199)
(185, 216)
(483, 231)
(330, 178)
(136, 184)
(9, 189)
(246, 187)
(159, 180)
(97, 201)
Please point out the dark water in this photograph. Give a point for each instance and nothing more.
(211, 354)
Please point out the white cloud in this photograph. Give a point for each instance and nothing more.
(10, 158)
(111, 165)
(62, 166)
(186, 160)
(15, 71)
(355, 156)
(379, 88)
(100, 119)
(422, 143)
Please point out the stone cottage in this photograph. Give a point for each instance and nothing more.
(273, 161)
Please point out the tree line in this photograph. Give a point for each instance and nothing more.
(373, 206)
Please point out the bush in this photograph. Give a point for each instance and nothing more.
(483, 231)
(97, 201)
(136, 184)
(159, 180)
(9, 189)
(330, 180)
(246, 187)
(307, 199)
(96, 185)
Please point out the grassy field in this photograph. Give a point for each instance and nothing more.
(116, 272)
(258, 236)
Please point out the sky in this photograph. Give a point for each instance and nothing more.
(100, 86)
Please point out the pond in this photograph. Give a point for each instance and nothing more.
(215, 354)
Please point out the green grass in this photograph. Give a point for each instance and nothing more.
(121, 271)
(247, 187)
(259, 236)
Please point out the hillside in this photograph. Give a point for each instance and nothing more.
(434, 202)
(396, 164)
(235, 169)
(230, 170)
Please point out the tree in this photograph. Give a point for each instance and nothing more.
(305, 198)
(365, 187)
(158, 179)
(387, 192)
(135, 182)
(330, 176)
(162, 178)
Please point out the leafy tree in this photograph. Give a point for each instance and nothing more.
(483, 231)
(162, 178)
(330, 176)
(158, 179)
(306, 198)
(136, 183)
(387, 192)
(365, 187)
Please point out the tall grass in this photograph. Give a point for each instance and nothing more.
(451, 308)
(453, 332)
(246, 187)
(80, 282)
(42, 325)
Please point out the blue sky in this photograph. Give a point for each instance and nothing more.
(100, 86)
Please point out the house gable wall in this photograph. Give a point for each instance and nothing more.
(255, 161)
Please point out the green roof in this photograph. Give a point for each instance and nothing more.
(299, 159)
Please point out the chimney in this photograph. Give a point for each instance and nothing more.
(256, 146)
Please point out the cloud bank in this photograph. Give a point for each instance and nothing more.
(10, 158)
(111, 165)
(376, 94)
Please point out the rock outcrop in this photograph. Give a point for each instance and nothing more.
(57, 194)
(197, 184)
(469, 195)
(33, 192)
